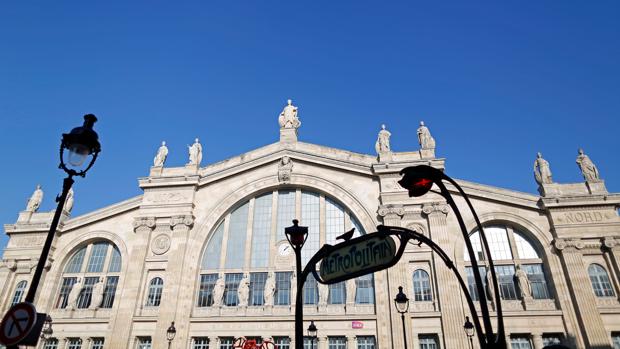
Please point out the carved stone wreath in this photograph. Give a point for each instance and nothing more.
(160, 244)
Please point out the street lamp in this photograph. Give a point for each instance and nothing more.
(402, 306)
(297, 237)
(418, 180)
(171, 333)
(312, 333)
(469, 331)
(47, 331)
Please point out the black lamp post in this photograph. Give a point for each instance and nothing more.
(171, 333)
(297, 237)
(47, 331)
(402, 306)
(312, 333)
(469, 331)
(419, 180)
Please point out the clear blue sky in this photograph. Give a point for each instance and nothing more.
(495, 82)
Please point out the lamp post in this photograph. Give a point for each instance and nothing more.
(171, 333)
(312, 333)
(402, 306)
(469, 331)
(47, 330)
(419, 180)
(297, 237)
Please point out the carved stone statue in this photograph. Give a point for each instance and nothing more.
(382, 145)
(323, 293)
(587, 167)
(218, 291)
(74, 294)
(524, 283)
(489, 286)
(424, 137)
(195, 153)
(293, 288)
(35, 200)
(69, 201)
(162, 154)
(351, 288)
(542, 172)
(285, 168)
(97, 295)
(243, 292)
(288, 117)
(270, 289)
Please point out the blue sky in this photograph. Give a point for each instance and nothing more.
(495, 82)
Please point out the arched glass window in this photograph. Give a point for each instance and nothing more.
(156, 287)
(19, 292)
(510, 248)
(421, 286)
(245, 240)
(600, 281)
(92, 272)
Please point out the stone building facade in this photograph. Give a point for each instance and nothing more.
(203, 246)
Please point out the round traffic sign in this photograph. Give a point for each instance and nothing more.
(17, 323)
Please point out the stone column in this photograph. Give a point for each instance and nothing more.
(397, 276)
(127, 297)
(351, 342)
(448, 289)
(322, 342)
(613, 248)
(537, 340)
(174, 296)
(214, 342)
(580, 287)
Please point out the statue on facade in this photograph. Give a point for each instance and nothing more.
(323, 293)
(351, 288)
(74, 294)
(162, 154)
(270, 289)
(69, 201)
(288, 117)
(293, 287)
(542, 172)
(195, 153)
(97, 294)
(218, 291)
(382, 145)
(285, 168)
(243, 292)
(587, 167)
(524, 283)
(489, 286)
(35, 200)
(424, 137)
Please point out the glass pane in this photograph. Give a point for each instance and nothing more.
(311, 292)
(109, 292)
(51, 343)
(359, 231)
(520, 343)
(226, 343)
(19, 292)
(366, 342)
(98, 252)
(200, 343)
(86, 293)
(505, 279)
(497, 238)
(97, 343)
(365, 289)
(421, 286)
(337, 293)
(337, 343)
(600, 281)
(428, 341)
(334, 220)
(205, 292)
(115, 262)
(476, 246)
(471, 281)
(65, 288)
(282, 342)
(524, 248)
(283, 288)
(76, 261)
(286, 212)
(537, 280)
(211, 258)
(74, 343)
(231, 287)
(235, 251)
(156, 288)
(310, 218)
(261, 231)
(144, 343)
(257, 288)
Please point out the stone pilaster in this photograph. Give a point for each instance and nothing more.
(128, 297)
(175, 301)
(214, 342)
(612, 246)
(537, 340)
(351, 342)
(584, 299)
(449, 299)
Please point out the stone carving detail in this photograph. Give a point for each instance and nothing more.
(10, 264)
(288, 117)
(162, 154)
(542, 172)
(69, 201)
(270, 289)
(186, 220)
(351, 287)
(525, 288)
(218, 291)
(243, 292)
(489, 286)
(73, 294)
(35, 200)
(285, 168)
(166, 197)
(387, 210)
(587, 167)
(97, 294)
(562, 244)
(427, 209)
(293, 287)
(323, 293)
(610, 242)
(160, 244)
(147, 222)
(27, 241)
(383, 141)
(424, 137)
(195, 153)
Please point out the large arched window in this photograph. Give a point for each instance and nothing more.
(421, 286)
(156, 287)
(97, 262)
(510, 248)
(19, 292)
(600, 281)
(244, 241)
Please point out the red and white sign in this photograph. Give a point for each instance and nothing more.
(17, 323)
(357, 324)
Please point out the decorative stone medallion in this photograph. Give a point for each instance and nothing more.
(160, 244)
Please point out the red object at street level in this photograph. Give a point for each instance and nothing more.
(243, 343)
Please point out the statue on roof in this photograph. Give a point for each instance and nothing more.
(195, 153)
(382, 145)
(288, 117)
(587, 167)
(35, 200)
(542, 172)
(424, 137)
(69, 201)
(162, 154)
